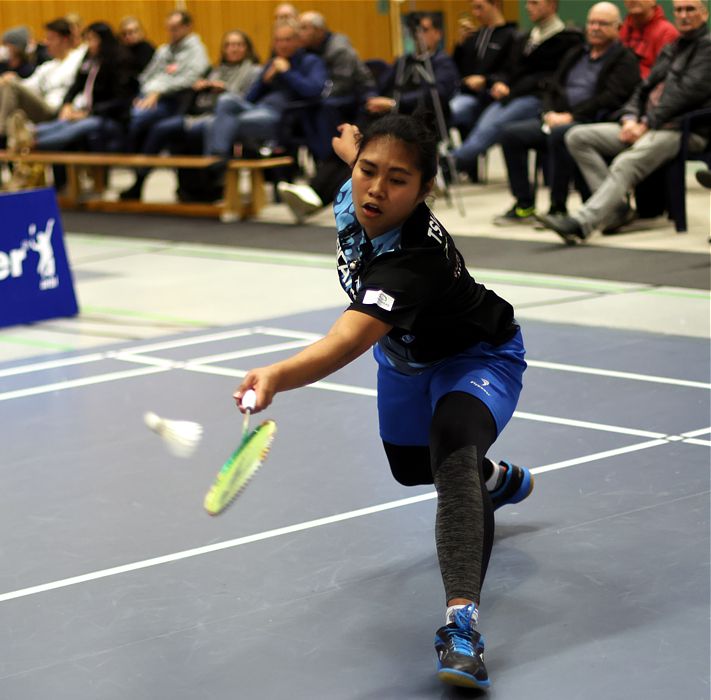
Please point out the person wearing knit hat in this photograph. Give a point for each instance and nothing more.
(41, 95)
(17, 37)
(15, 42)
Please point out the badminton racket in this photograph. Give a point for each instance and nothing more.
(243, 463)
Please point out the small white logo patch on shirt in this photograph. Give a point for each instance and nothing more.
(380, 298)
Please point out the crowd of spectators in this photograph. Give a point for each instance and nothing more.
(601, 104)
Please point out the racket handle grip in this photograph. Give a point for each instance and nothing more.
(249, 400)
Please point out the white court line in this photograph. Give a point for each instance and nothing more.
(290, 529)
(598, 455)
(580, 369)
(52, 364)
(558, 366)
(249, 352)
(161, 365)
(696, 433)
(229, 544)
(285, 333)
(694, 441)
(186, 342)
(86, 381)
(148, 360)
(587, 424)
(239, 373)
(280, 332)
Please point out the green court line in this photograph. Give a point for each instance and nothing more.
(686, 294)
(14, 340)
(130, 313)
(542, 281)
(115, 242)
(566, 283)
(266, 258)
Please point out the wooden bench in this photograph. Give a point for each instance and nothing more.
(236, 204)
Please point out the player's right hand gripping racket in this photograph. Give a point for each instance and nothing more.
(243, 462)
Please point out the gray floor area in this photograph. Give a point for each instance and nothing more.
(322, 580)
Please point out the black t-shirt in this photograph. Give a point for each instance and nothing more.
(420, 286)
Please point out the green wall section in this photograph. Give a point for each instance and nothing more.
(575, 11)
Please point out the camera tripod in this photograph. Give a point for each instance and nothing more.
(412, 66)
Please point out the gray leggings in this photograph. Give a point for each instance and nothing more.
(461, 433)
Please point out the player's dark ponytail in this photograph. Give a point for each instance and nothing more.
(418, 131)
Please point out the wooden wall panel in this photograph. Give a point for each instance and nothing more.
(369, 30)
(361, 20)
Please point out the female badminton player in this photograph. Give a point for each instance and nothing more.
(450, 362)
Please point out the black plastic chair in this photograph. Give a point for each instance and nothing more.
(379, 70)
(676, 169)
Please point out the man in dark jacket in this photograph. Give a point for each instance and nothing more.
(404, 87)
(649, 131)
(517, 90)
(404, 90)
(592, 83)
(292, 74)
(478, 56)
(351, 83)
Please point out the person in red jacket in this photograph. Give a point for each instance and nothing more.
(646, 31)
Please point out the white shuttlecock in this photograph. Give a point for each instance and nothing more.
(181, 437)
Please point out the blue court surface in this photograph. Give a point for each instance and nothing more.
(321, 581)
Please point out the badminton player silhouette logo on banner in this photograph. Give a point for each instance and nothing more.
(41, 243)
(35, 277)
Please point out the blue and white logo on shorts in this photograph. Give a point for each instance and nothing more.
(481, 384)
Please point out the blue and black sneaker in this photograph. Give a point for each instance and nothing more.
(460, 652)
(516, 485)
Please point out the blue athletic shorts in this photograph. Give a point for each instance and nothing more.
(406, 402)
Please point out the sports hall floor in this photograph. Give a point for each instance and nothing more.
(321, 581)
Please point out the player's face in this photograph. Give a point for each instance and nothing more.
(387, 185)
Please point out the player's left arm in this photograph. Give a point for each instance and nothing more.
(352, 334)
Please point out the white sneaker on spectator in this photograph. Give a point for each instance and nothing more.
(301, 199)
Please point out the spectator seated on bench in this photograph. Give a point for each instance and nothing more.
(14, 42)
(592, 84)
(304, 200)
(517, 90)
(351, 84)
(254, 120)
(133, 38)
(482, 51)
(172, 71)
(651, 130)
(40, 96)
(95, 111)
(235, 74)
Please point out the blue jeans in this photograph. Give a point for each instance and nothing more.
(58, 135)
(239, 120)
(464, 110)
(143, 119)
(174, 130)
(488, 129)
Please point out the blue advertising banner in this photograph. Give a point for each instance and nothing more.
(35, 280)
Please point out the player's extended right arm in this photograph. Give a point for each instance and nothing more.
(352, 334)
